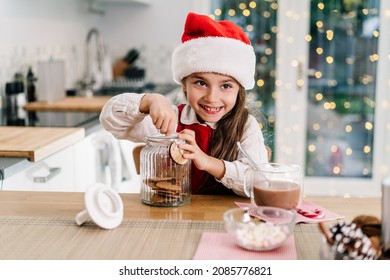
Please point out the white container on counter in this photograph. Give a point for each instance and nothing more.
(51, 80)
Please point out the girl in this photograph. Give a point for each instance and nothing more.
(215, 64)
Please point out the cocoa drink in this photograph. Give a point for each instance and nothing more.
(277, 193)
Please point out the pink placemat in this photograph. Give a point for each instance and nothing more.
(308, 207)
(218, 246)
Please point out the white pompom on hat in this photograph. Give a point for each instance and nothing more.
(218, 47)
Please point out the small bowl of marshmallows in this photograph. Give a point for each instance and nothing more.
(260, 229)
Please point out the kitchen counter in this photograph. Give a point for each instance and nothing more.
(87, 122)
(201, 207)
(50, 212)
(37, 143)
(70, 104)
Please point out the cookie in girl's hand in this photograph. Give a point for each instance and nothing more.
(177, 154)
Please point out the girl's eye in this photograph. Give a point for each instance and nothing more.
(200, 83)
(226, 86)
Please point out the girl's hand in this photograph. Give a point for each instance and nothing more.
(198, 157)
(160, 110)
(202, 161)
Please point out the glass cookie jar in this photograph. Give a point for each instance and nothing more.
(165, 174)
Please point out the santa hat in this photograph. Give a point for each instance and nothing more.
(218, 47)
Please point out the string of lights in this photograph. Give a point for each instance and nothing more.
(343, 53)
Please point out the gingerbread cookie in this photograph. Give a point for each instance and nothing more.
(152, 182)
(177, 154)
(165, 189)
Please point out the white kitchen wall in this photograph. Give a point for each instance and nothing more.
(154, 29)
(32, 31)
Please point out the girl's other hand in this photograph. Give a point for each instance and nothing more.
(202, 161)
(198, 157)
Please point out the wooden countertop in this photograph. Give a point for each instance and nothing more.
(201, 207)
(41, 225)
(70, 104)
(36, 143)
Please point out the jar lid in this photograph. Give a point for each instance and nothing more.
(103, 205)
(161, 137)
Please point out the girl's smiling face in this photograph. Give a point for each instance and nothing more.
(211, 95)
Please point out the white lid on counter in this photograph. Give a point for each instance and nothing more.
(103, 205)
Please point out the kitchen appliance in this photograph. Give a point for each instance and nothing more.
(15, 101)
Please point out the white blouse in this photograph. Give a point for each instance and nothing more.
(121, 117)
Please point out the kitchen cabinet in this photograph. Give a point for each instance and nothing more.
(54, 173)
(71, 169)
(99, 157)
(66, 170)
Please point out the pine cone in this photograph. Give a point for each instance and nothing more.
(351, 243)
